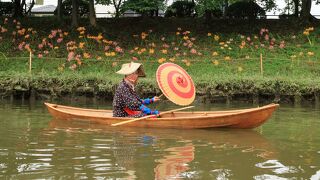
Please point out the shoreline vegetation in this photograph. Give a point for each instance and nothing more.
(259, 62)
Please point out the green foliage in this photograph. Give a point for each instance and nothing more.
(243, 9)
(267, 4)
(144, 7)
(6, 8)
(209, 8)
(103, 2)
(67, 7)
(181, 9)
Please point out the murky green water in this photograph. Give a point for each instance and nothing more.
(33, 146)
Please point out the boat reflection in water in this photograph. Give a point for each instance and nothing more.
(170, 153)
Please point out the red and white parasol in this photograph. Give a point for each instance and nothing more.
(176, 84)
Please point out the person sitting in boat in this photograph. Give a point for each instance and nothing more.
(126, 102)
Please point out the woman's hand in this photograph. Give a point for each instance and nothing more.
(155, 99)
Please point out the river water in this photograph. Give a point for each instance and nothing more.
(34, 146)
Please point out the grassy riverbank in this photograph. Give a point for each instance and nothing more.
(212, 83)
(223, 60)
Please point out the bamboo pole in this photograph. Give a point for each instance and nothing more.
(30, 61)
(261, 64)
(149, 116)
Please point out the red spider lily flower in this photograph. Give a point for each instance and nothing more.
(54, 33)
(40, 46)
(119, 49)
(59, 40)
(50, 45)
(165, 45)
(73, 67)
(21, 45)
(106, 48)
(27, 47)
(70, 56)
(282, 45)
(193, 51)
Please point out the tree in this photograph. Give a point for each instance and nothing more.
(305, 11)
(209, 8)
(296, 7)
(245, 9)
(181, 9)
(144, 7)
(21, 8)
(6, 8)
(75, 12)
(59, 10)
(117, 4)
(92, 14)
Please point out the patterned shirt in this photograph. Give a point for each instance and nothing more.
(126, 97)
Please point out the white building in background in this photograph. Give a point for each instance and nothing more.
(108, 11)
(44, 7)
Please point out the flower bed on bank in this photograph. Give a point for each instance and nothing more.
(261, 64)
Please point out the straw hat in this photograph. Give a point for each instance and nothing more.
(129, 68)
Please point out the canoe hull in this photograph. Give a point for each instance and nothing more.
(246, 118)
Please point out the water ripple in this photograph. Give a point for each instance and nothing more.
(277, 167)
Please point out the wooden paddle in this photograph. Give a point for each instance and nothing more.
(145, 117)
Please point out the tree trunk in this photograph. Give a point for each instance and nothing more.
(296, 8)
(225, 7)
(117, 7)
(92, 14)
(30, 8)
(59, 10)
(18, 9)
(75, 12)
(117, 13)
(306, 16)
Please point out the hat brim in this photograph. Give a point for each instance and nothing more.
(130, 68)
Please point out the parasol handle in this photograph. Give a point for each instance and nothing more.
(145, 117)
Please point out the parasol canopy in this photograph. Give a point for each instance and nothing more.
(176, 84)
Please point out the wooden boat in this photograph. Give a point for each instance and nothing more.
(245, 118)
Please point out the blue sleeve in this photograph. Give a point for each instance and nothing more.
(147, 101)
(147, 110)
